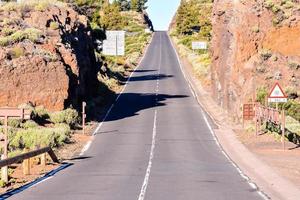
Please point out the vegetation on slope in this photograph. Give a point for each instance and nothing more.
(193, 23)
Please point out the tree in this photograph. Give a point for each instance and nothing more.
(111, 18)
(187, 17)
(138, 5)
(124, 5)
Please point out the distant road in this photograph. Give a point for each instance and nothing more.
(155, 144)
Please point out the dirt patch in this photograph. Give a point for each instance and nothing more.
(268, 147)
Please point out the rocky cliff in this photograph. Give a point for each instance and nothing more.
(255, 44)
(46, 55)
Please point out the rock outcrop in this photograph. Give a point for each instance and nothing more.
(46, 55)
(255, 44)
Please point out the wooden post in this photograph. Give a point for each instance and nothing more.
(283, 129)
(26, 165)
(4, 170)
(43, 160)
(83, 117)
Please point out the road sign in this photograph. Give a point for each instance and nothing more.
(248, 111)
(114, 45)
(277, 95)
(199, 45)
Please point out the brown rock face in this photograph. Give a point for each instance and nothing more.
(243, 31)
(57, 69)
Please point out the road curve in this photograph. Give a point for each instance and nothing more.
(155, 144)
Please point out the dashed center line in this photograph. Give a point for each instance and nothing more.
(148, 171)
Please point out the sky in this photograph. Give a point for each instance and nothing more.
(161, 12)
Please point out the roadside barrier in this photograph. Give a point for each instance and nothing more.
(26, 158)
(270, 115)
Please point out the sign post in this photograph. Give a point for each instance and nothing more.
(5, 114)
(83, 117)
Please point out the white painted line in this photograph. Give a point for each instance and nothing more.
(85, 148)
(148, 171)
(252, 184)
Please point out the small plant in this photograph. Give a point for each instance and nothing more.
(29, 124)
(57, 117)
(2, 184)
(269, 4)
(255, 29)
(293, 65)
(261, 95)
(7, 31)
(54, 25)
(15, 123)
(16, 52)
(68, 116)
(265, 54)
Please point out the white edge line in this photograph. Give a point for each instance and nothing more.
(244, 176)
(88, 145)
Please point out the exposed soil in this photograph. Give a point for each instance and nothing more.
(268, 147)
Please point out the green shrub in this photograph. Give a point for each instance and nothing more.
(265, 54)
(269, 4)
(41, 112)
(261, 95)
(71, 116)
(7, 31)
(38, 137)
(2, 184)
(68, 116)
(31, 34)
(29, 124)
(15, 123)
(54, 25)
(57, 117)
(16, 52)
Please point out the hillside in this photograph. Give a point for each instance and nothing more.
(253, 44)
(46, 42)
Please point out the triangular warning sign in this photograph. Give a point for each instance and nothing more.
(277, 92)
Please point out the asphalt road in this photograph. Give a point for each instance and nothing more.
(155, 144)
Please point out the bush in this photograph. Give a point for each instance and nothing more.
(38, 137)
(57, 117)
(68, 116)
(16, 52)
(31, 34)
(265, 54)
(15, 123)
(54, 25)
(29, 124)
(71, 116)
(41, 112)
(261, 95)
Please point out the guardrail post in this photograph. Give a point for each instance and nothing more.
(43, 160)
(26, 165)
(4, 171)
(283, 129)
